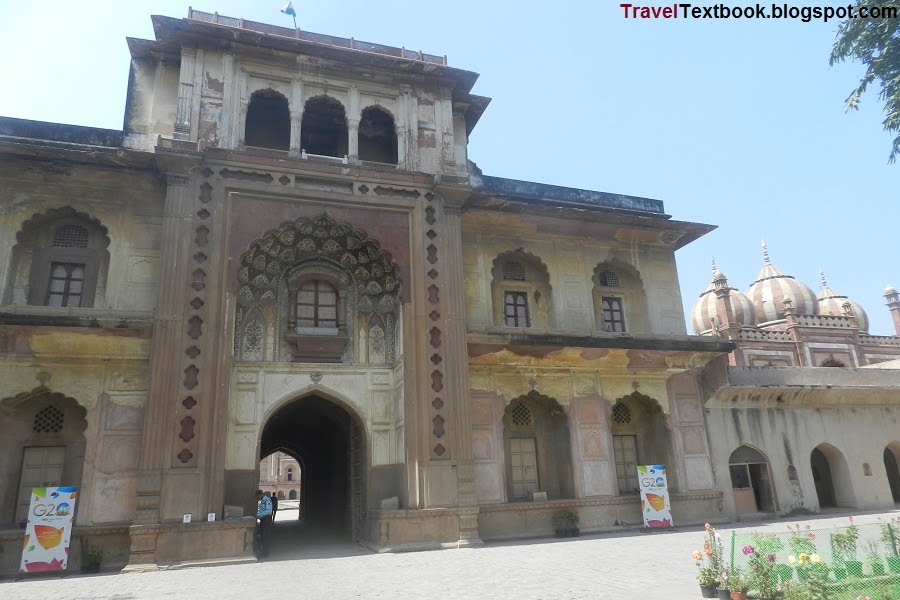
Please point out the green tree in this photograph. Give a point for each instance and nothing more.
(875, 42)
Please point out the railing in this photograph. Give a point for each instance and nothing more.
(834, 322)
(879, 340)
(756, 334)
(318, 38)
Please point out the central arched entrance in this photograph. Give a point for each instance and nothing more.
(329, 441)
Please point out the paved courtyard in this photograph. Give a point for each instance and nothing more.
(624, 566)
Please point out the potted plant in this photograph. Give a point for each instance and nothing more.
(91, 557)
(762, 571)
(737, 585)
(874, 558)
(843, 550)
(890, 535)
(706, 576)
(565, 521)
(723, 592)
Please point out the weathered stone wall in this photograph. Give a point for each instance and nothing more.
(127, 204)
(570, 251)
(109, 379)
(786, 424)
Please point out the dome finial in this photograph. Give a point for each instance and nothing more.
(766, 253)
(822, 273)
(714, 267)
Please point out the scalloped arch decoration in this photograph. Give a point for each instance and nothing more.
(519, 254)
(65, 212)
(375, 274)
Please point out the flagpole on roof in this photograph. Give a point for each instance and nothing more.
(288, 9)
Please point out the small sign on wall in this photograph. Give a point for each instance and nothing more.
(654, 496)
(211, 516)
(186, 518)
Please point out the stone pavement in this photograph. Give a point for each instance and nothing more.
(629, 565)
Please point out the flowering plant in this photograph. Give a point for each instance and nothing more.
(890, 535)
(706, 575)
(813, 574)
(714, 552)
(802, 540)
(735, 582)
(762, 571)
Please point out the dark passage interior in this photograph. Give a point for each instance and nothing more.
(323, 130)
(821, 470)
(268, 121)
(326, 439)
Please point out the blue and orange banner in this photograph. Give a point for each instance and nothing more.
(654, 496)
(49, 530)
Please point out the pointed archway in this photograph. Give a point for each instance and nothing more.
(328, 440)
(831, 475)
(891, 454)
(750, 481)
(44, 444)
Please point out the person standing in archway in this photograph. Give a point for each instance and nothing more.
(264, 514)
(274, 505)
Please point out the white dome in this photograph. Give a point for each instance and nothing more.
(832, 303)
(704, 312)
(772, 286)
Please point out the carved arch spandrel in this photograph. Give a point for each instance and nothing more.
(340, 253)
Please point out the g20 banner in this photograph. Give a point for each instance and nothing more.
(654, 496)
(49, 530)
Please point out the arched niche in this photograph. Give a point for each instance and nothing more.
(620, 303)
(268, 122)
(44, 430)
(751, 482)
(640, 436)
(272, 276)
(520, 290)
(891, 457)
(323, 128)
(832, 478)
(377, 136)
(61, 258)
(537, 446)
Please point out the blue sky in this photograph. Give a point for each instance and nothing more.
(735, 123)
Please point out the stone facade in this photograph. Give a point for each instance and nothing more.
(803, 414)
(287, 252)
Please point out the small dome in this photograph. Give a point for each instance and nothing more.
(832, 303)
(889, 290)
(772, 286)
(704, 312)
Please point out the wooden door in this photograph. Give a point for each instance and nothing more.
(524, 467)
(42, 466)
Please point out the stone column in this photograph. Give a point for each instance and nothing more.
(353, 140)
(164, 361)
(456, 360)
(185, 106)
(296, 116)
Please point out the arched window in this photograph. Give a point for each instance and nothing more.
(323, 130)
(268, 121)
(290, 474)
(520, 290)
(317, 302)
(377, 136)
(62, 256)
(619, 302)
